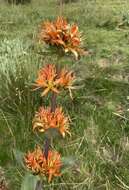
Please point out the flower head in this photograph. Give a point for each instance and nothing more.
(52, 164)
(51, 31)
(73, 41)
(63, 35)
(45, 119)
(66, 80)
(38, 164)
(47, 79)
(34, 159)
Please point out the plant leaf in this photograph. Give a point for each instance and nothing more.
(19, 157)
(29, 182)
(69, 161)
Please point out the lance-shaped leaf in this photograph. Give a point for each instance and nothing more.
(29, 182)
(19, 157)
(68, 161)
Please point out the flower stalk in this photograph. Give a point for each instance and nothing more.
(46, 147)
(53, 79)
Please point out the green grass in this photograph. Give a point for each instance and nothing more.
(100, 128)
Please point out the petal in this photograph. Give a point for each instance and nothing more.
(41, 130)
(70, 92)
(37, 125)
(75, 53)
(50, 177)
(74, 30)
(55, 90)
(62, 133)
(45, 92)
(66, 50)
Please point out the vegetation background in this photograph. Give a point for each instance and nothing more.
(100, 127)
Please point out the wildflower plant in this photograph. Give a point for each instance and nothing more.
(51, 81)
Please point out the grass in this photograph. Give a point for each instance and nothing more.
(100, 128)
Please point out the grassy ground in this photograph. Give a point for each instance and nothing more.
(100, 128)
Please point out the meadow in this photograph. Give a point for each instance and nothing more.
(99, 144)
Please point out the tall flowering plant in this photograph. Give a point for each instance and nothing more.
(53, 80)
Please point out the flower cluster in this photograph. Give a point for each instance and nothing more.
(38, 164)
(62, 35)
(45, 119)
(52, 80)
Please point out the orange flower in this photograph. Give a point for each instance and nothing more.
(66, 80)
(61, 24)
(33, 160)
(73, 41)
(38, 164)
(51, 32)
(45, 119)
(61, 34)
(52, 165)
(47, 79)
